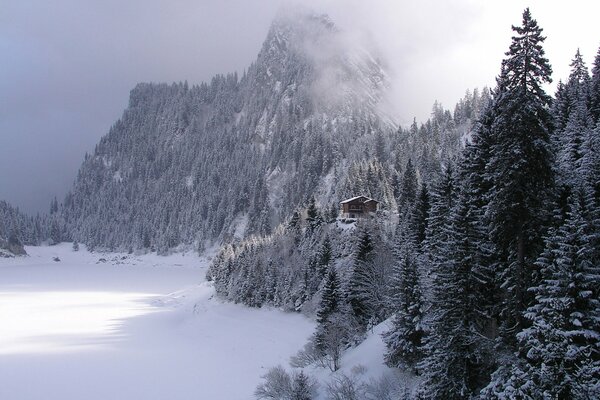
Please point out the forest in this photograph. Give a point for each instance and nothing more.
(491, 272)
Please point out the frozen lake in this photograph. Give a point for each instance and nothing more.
(131, 327)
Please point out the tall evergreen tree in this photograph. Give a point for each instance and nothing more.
(358, 285)
(325, 254)
(521, 166)
(590, 164)
(408, 187)
(459, 346)
(443, 195)
(560, 351)
(313, 215)
(330, 297)
(595, 89)
(577, 121)
(405, 338)
(420, 216)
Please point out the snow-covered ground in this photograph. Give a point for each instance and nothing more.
(118, 326)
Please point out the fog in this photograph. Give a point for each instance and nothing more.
(68, 65)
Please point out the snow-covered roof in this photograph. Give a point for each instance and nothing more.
(364, 199)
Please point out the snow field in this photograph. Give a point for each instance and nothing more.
(131, 327)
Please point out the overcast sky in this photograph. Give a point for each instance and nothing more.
(66, 66)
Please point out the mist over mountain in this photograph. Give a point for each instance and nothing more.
(236, 156)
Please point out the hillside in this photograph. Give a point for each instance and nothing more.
(236, 156)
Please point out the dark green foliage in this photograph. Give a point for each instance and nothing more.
(442, 200)
(302, 387)
(313, 216)
(458, 352)
(559, 354)
(595, 89)
(575, 123)
(333, 331)
(325, 254)
(404, 340)
(364, 247)
(408, 186)
(420, 216)
(330, 297)
(520, 166)
(359, 281)
(565, 332)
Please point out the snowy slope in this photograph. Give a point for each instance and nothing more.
(130, 327)
(364, 366)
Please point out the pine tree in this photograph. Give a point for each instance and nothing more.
(443, 195)
(313, 216)
(333, 329)
(590, 164)
(561, 348)
(560, 108)
(408, 187)
(577, 121)
(330, 297)
(302, 388)
(325, 255)
(521, 166)
(54, 206)
(420, 215)
(405, 338)
(359, 280)
(458, 347)
(595, 89)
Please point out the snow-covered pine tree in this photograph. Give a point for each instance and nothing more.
(405, 338)
(595, 89)
(419, 216)
(458, 347)
(331, 298)
(333, 328)
(302, 387)
(436, 234)
(520, 167)
(408, 187)
(568, 94)
(313, 216)
(577, 122)
(325, 256)
(359, 280)
(590, 164)
(560, 351)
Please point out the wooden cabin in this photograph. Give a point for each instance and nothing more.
(358, 207)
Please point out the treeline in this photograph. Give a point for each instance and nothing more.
(490, 274)
(19, 228)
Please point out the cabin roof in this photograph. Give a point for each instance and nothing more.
(359, 199)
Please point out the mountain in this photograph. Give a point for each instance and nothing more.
(235, 157)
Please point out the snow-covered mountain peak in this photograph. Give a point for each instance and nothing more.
(191, 164)
(339, 73)
(296, 25)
